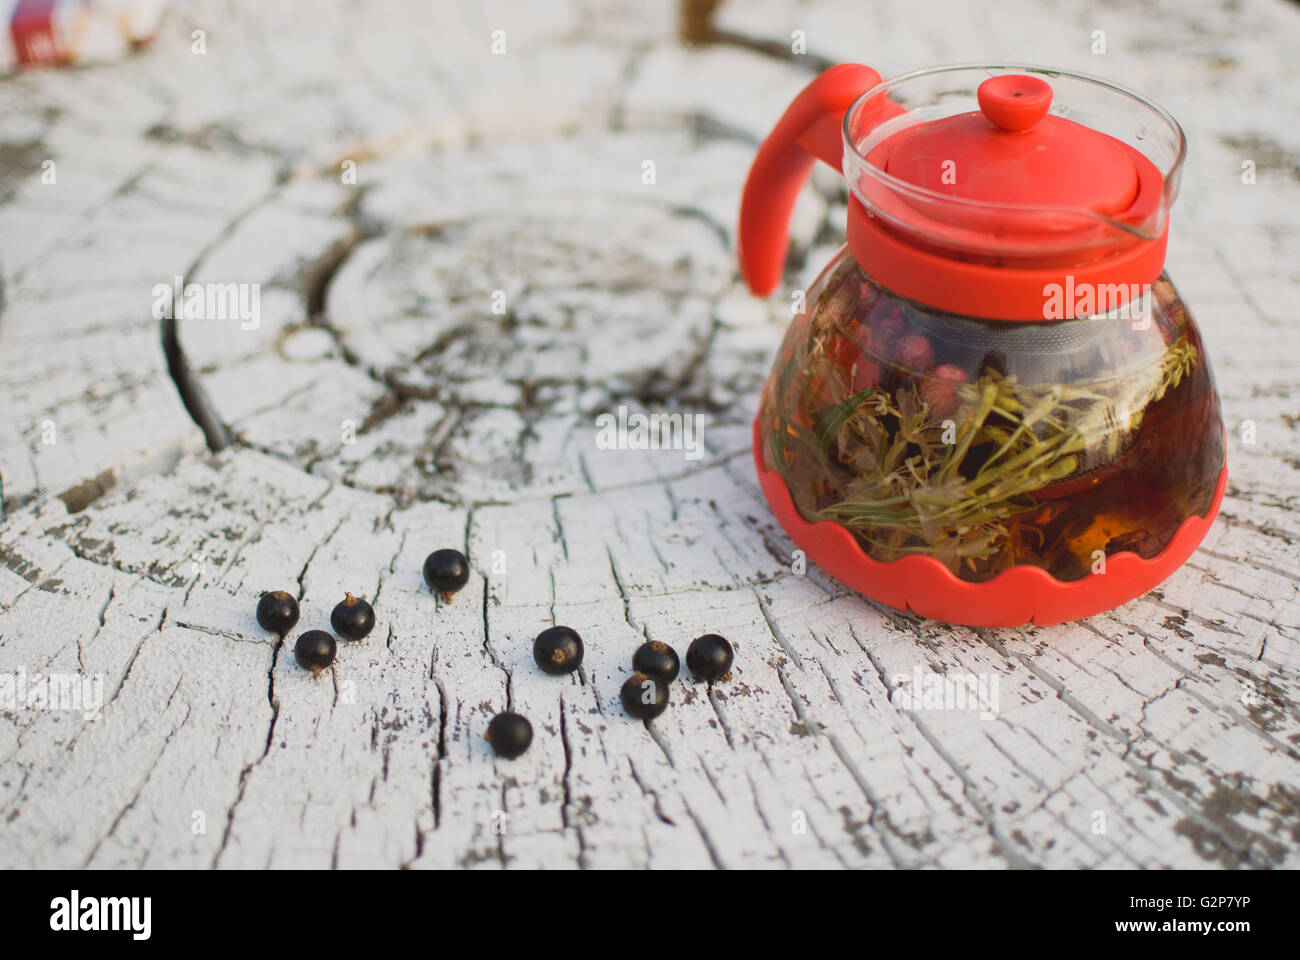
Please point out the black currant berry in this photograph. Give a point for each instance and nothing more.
(558, 650)
(277, 611)
(709, 657)
(644, 697)
(446, 571)
(315, 650)
(656, 660)
(510, 735)
(353, 618)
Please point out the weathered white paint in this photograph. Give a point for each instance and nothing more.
(523, 173)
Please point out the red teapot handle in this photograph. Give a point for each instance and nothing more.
(810, 129)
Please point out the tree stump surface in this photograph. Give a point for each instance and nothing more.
(159, 475)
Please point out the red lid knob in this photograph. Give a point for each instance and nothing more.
(1015, 102)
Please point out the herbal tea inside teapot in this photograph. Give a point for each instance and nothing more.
(993, 407)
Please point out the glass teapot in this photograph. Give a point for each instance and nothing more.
(992, 407)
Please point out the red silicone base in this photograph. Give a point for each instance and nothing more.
(1018, 596)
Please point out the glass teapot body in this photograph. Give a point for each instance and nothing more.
(990, 472)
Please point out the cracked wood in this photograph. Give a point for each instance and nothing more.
(381, 409)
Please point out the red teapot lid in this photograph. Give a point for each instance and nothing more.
(1011, 151)
(978, 213)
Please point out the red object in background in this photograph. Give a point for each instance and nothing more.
(36, 37)
(46, 33)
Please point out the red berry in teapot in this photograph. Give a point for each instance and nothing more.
(886, 328)
(939, 389)
(913, 353)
